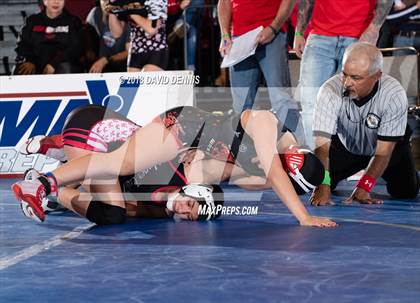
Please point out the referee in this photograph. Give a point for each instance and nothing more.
(360, 122)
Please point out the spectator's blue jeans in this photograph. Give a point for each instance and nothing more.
(400, 41)
(321, 60)
(193, 16)
(271, 61)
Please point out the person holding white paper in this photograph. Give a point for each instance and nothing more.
(245, 46)
(239, 17)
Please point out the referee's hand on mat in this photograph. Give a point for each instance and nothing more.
(362, 196)
(321, 196)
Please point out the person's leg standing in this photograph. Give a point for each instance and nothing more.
(318, 65)
(191, 46)
(274, 64)
(244, 80)
(343, 43)
(193, 15)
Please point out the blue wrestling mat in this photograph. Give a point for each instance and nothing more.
(373, 256)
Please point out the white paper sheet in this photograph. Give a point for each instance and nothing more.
(242, 47)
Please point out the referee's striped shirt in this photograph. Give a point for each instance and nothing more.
(383, 117)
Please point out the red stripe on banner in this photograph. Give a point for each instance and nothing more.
(54, 94)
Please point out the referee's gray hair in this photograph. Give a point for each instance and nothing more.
(376, 60)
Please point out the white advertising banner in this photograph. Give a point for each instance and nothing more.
(39, 104)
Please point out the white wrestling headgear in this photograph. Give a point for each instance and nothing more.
(208, 196)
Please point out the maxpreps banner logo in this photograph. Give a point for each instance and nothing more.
(28, 109)
(39, 105)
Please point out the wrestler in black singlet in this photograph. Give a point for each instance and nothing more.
(144, 185)
(222, 137)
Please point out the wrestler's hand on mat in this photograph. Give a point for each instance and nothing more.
(265, 36)
(362, 196)
(299, 45)
(321, 196)
(318, 222)
(225, 45)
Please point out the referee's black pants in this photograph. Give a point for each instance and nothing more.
(402, 180)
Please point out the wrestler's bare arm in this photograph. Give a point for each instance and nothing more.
(202, 169)
(213, 171)
(262, 128)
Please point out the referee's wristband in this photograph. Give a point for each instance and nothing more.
(298, 33)
(327, 179)
(367, 183)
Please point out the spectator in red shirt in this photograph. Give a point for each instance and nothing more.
(237, 17)
(335, 25)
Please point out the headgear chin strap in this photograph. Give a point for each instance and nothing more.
(171, 200)
(300, 179)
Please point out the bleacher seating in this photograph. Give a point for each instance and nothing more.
(12, 16)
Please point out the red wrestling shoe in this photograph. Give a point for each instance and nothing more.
(50, 203)
(30, 195)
